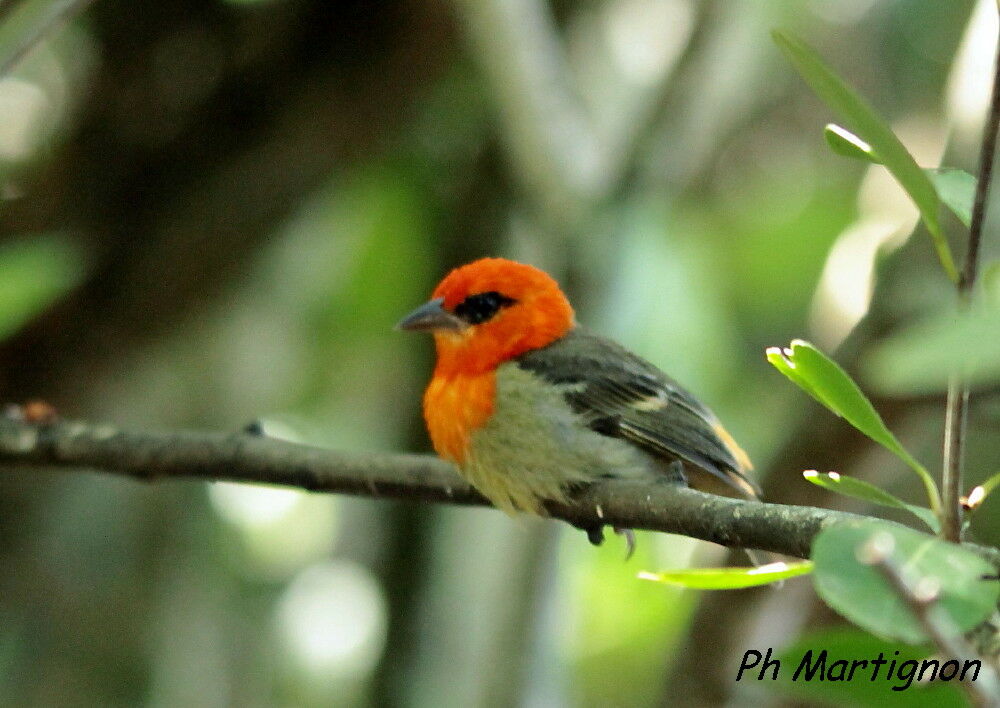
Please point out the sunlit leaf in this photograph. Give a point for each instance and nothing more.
(990, 484)
(859, 489)
(824, 380)
(34, 273)
(729, 578)
(845, 143)
(782, 360)
(861, 594)
(957, 189)
(861, 120)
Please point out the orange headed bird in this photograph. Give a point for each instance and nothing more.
(529, 405)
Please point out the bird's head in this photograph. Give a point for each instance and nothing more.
(490, 311)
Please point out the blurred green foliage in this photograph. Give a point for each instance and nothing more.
(234, 202)
(854, 643)
(920, 357)
(34, 273)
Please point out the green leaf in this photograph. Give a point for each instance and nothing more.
(990, 278)
(984, 489)
(860, 593)
(33, 274)
(782, 360)
(957, 189)
(990, 484)
(829, 384)
(27, 24)
(850, 643)
(729, 578)
(921, 357)
(859, 489)
(861, 119)
(985, 520)
(845, 143)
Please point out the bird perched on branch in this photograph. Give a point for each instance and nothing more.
(529, 405)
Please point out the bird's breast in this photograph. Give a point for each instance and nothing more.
(454, 407)
(534, 447)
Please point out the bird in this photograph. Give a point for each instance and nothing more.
(530, 406)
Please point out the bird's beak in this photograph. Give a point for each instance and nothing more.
(429, 317)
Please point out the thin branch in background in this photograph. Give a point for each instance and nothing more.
(556, 150)
(29, 23)
(7, 8)
(957, 406)
(922, 601)
(986, 158)
(570, 162)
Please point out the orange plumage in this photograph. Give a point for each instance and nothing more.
(460, 397)
(528, 405)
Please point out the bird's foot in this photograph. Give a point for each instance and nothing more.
(595, 534)
(255, 428)
(674, 474)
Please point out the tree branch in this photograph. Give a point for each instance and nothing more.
(244, 457)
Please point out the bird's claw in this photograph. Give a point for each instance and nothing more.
(595, 534)
(629, 536)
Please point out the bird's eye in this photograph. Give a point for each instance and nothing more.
(481, 307)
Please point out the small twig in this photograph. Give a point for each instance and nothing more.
(74, 446)
(570, 161)
(554, 146)
(956, 414)
(986, 158)
(956, 408)
(921, 599)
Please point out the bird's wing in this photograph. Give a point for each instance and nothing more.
(622, 395)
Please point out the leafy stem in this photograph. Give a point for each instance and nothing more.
(958, 388)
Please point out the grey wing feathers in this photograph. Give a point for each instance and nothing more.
(622, 395)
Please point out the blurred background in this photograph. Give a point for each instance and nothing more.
(214, 211)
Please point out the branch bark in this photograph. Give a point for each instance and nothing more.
(243, 457)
